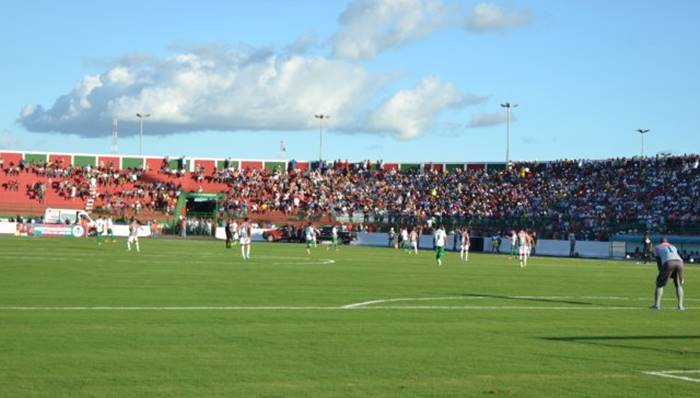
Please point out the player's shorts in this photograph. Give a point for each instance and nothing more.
(414, 245)
(671, 269)
(524, 251)
(133, 239)
(334, 241)
(464, 247)
(309, 243)
(439, 252)
(244, 241)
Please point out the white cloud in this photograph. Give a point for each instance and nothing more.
(227, 89)
(491, 17)
(369, 27)
(411, 112)
(486, 119)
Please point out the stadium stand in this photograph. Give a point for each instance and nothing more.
(593, 198)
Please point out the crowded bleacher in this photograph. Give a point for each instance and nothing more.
(593, 198)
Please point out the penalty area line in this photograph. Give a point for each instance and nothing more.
(675, 374)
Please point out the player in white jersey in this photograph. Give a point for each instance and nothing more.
(334, 239)
(244, 237)
(670, 265)
(413, 237)
(234, 228)
(309, 237)
(440, 241)
(134, 227)
(464, 247)
(109, 224)
(100, 225)
(523, 247)
(404, 238)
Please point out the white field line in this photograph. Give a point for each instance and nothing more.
(675, 374)
(393, 300)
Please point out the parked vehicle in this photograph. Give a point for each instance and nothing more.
(344, 237)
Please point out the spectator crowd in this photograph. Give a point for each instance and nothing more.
(593, 198)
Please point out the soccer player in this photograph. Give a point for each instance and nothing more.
(244, 238)
(229, 233)
(440, 241)
(464, 247)
(309, 237)
(513, 243)
(234, 229)
(404, 238)
(134, 227)
(316, 232)
(524, 241)
(100, 226)
(670, 264)
(334, 238)
(110, 231)
(413, 236)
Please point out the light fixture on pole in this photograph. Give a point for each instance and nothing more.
(642, 132)
(320, 117)
(509, 106)
(141, 116)
(115, 136)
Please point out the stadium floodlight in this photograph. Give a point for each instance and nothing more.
(641, 133)
(141, 116)
(509, 106)
(320, 117)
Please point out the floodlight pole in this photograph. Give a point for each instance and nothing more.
(509, 106)
(641, 133)
(320, 117)
(141, 116)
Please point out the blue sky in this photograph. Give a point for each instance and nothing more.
(405, 80)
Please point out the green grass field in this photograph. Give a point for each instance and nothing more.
(191, 319)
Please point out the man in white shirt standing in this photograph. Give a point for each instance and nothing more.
(100, 225)
(464, 247)
(244, 238)
(440, 240)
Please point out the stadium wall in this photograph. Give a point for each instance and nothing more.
(545, 247)
(154, 162)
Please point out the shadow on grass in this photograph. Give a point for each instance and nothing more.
(616, 342)
(525, 298)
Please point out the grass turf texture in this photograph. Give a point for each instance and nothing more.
(582, 330)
